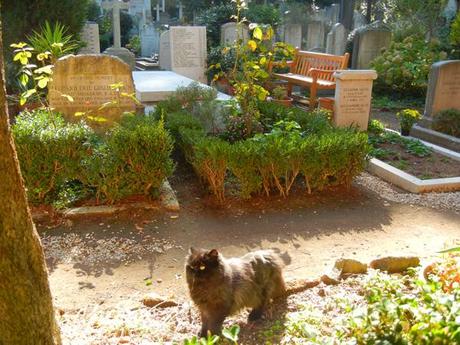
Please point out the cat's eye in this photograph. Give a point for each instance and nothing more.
(202, 267)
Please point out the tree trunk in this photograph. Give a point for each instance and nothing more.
(369, 10)
(26, 308)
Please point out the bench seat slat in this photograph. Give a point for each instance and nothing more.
(307, 81)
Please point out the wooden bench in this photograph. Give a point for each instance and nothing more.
(312, 70)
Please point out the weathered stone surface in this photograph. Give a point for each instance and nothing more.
(228, 33)
(367, 45)
(352, 103)
(183, 50)
(154, 300)
(443, 87)
(168, 197)
(392, 264)
(336, 40)
(87, 79)
(350, 266)
(316, 36)
(293, 35)
(90, 36)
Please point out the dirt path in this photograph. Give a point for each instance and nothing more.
(106, 260)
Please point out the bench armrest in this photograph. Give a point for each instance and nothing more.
(315, 72)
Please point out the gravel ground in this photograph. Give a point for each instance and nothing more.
(133, 323)
(449, 201)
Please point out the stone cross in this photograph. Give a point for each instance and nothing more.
(116, 6)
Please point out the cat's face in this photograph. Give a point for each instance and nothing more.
(201, 262)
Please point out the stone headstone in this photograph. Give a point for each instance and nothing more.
(316, 34)
(117, 49)
(165, 51)
(293, 35)
(150, 40)
(136, 7)
(90, 35)
(358, 20)
(336, 40)
(450, 11)
(443, 88)
(352, 102)
(187, 51)
(228, 33)
(87, 79)
(367, 45)
(333, 14)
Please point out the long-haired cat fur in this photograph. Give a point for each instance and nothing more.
(220, 287)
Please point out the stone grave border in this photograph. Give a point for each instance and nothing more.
(411, 183)
(448, 141)
(167, 200)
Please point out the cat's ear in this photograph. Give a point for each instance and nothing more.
(213, 253)
(192, 251)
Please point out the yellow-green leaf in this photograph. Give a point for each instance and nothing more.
(252, 45)
(97, 118)
(69, 98)
(257, 34)
(43, 82)
(24, 79)
(79, 113)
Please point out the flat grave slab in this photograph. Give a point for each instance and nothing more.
(155, 86)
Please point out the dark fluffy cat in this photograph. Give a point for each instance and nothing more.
(220, 287)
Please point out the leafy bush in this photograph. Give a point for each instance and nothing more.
(448, 122)
(273, 161)
(134, 158)
(58, 158)
(263, 14)
(50, 151)
(213, 17)
(405, 65)
(221, 57)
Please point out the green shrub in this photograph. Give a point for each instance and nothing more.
(448, 122)
(405, 65)
(50, 151)
(134, 158)
(61, 161)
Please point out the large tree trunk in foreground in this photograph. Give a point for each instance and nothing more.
(26, 308)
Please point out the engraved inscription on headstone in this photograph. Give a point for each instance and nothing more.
(353, 94)
(88, 79)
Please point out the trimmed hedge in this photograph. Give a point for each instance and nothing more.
(273, 161)
(133, 158)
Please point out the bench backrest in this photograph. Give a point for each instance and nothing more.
(305, 60)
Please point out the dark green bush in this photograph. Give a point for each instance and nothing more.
(133, 159)
(50, 151)
(273, 161)
(58, 158)
(448, 122)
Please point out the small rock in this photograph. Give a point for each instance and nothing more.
(393, 264)
(350, 266)
(330, 279)
(159, 280)
(154, 300)
(123, 340)
(321, 293)
(298, 285)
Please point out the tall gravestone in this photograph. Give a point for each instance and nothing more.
(316, 34)
(443, 88)
(353, 93)
(165, 51)
(333, 14)
(293, 35)
(358, 20)
(117, 49)
(336, 40)
(367, 45)
(183, 50)
(150, 40)
(228, 33)
(87, 79)
(90, 35)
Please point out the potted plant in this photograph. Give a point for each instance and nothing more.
(279, 95)
(407, 118)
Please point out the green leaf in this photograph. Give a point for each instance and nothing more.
(24, 79)
(43, 82)
(258, 34)
(79, 113)
(450, 250)
(19, 45)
